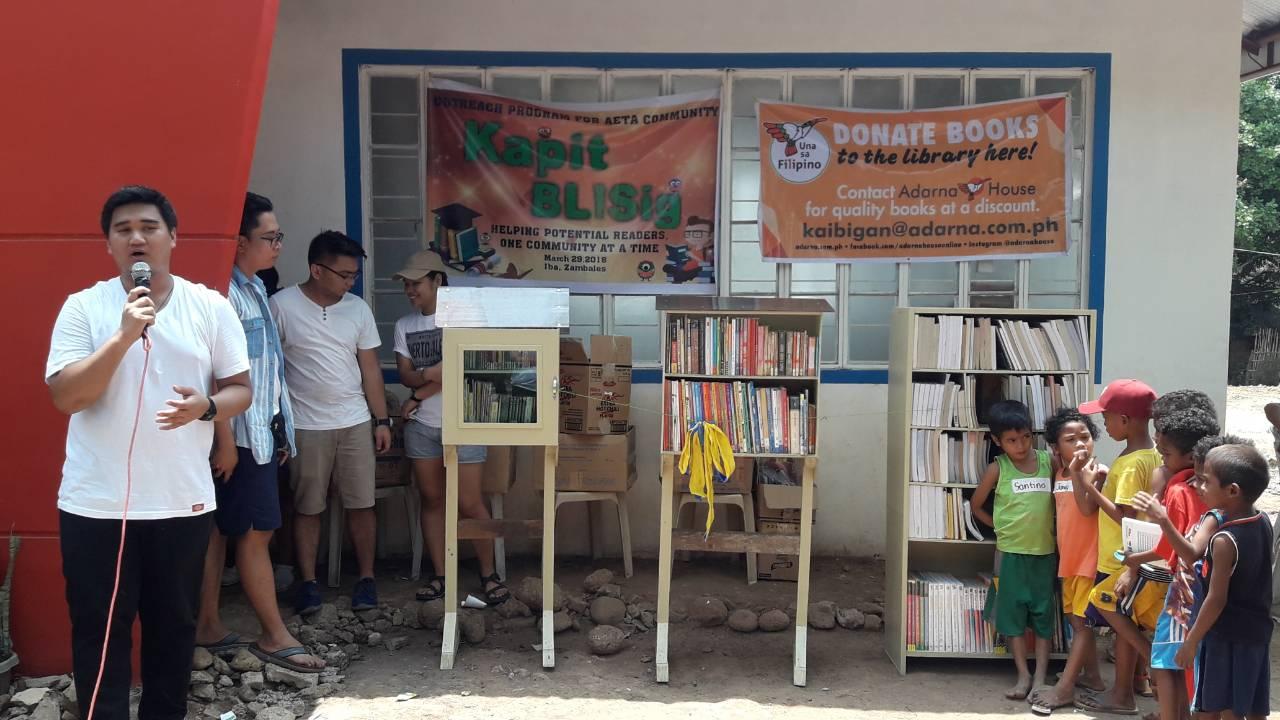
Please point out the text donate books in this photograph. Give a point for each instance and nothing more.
(738, 346)
(756, 419)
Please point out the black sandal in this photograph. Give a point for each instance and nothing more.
(433, 590)
(496, 595)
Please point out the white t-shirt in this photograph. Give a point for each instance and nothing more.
(320, 366)
(197, 337)
(418, 339)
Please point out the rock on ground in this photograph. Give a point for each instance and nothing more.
(513, 608)
(561, 622)
(822, 615)
(201, 659)
(709, 612)
(607, 611)
(605, 640)
(744, 621)
(395, 643)
(431, 614)
(529, 592)
(252, 680)
(325, 617)
(204, 692)
(48, 681)
(850, 619)
(245, 661)
(292, 678)
(50, 708)
(472, 626)
(593, 582)
(774, 621)
(274, 713)
(374, 639)
(610, 590)
(873, 622)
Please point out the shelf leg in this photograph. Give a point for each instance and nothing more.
(802, 587)
(550, 454)
(449, 640)
(661, 668)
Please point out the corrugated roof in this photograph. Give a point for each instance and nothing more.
(1261, 17)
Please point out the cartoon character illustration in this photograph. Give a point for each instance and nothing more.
(680, 268)
(456, 239)
(675, 184)
(974, 186)
(645, 270)
(790, 133)
(544, 132)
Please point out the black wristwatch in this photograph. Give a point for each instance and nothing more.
(382, 422)
(212, 412)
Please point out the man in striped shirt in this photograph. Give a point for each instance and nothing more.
(246, 454)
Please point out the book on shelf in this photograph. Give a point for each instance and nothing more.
(962, 405)
(977, 343)
(945, 614)
(944, 458)
(939, 513)
(1044, 394)
(756, 419)
(487, 402)
(945, 404)
(714, 345)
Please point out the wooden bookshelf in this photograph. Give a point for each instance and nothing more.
(787, 315)
(962, 558)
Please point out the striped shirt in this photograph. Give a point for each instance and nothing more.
(266, 370)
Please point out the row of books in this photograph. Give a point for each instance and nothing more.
(968, 343)
(945, 404)
(939, 513)
(946, 614)
(1044, 394)
(756, 419)
(949, 458)
(488, 402)
(499, 360)
(714, 345)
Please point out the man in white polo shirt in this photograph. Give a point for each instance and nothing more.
(331, 364)
(143, 372)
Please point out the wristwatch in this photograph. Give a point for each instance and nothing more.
(382, 422)
(211, 412)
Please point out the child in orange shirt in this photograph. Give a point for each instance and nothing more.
(1067, 433)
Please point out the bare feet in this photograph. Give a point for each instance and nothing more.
(1019, 691)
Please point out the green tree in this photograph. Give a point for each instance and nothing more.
(1255, 286)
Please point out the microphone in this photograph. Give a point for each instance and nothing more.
(141, 275)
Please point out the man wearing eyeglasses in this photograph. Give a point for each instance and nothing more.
(247, 451)
(335, 382)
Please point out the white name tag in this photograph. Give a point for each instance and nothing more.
(1030, 485)
(1062, 486)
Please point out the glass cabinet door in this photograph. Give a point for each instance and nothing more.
(500, 387)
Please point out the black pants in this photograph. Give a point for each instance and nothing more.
(159, 583)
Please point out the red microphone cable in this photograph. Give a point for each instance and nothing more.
(124, 520)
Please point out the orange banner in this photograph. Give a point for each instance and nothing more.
(989, 181)
(602, 197)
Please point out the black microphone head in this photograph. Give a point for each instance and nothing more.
(141, 274)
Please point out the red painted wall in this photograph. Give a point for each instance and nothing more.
(101, 95)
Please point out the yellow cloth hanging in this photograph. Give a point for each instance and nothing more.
(707, 456)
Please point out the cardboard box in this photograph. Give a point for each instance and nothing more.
(739, 482)
(769, 566)
(595, 463)
(780, 502)
(499, 470)
(595, 392)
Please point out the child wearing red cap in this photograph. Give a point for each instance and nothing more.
(1126, 414)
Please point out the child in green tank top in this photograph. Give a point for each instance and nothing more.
(1022, 479)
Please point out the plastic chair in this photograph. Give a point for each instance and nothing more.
(743, 501)
(403, 482)
(619, 499)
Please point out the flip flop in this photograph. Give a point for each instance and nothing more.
(280, 658)
(228, 643)
(1093, 703)
(1039, 707)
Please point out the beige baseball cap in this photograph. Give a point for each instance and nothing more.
(420, 263)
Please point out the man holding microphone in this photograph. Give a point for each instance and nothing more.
(143, 369)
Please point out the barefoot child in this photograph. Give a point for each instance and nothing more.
(1231, 637)
(1067, 433)
(1126, 410)
(1023, 520)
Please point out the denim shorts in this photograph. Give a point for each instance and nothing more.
(422, 442)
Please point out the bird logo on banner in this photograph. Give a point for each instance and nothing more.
(790, 133)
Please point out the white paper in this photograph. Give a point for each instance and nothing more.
(502, 307)
(1139, 536)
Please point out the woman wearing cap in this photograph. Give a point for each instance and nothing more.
(417, 348)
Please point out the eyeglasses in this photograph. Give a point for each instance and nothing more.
(276, 240)
(347, 276)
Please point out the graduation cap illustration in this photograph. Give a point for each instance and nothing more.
(456, 239)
